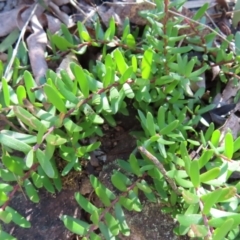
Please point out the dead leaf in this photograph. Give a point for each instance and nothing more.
(61, 15)
(232, 123)
(3, 57)
(215, 71)
(65, 64)
(61, 2)
(53, 23)
(8, 20)
(85, 187)
(37, 43)
(120, 11)
(229, 92)
(198, 3)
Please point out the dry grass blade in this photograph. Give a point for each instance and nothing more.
(9, 66)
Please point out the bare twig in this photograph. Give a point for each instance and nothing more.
(161, 168)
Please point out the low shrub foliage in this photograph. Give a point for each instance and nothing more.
(152, 70)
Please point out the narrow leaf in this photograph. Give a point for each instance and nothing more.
(54, 98)
(146, 65)
(45, 163)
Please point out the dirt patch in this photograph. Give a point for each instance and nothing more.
(44, 216)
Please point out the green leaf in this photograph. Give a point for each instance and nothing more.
(205, 157)
(119, 181)
(222, 231)
(85, 204)
(9, 40)
(189, 197)
(71, 126)
(130, 41)
(61, 43)
(144, 186)
(210, 199)
(82, 32)
(150, 124)
(45, 163)
(236, 15)
(68, 36)
(27, 118)
(55, 139)
(66, 79)
(169, 128)
(126, 75)
(183, 182)
(91, 115)
(6, 236)
(5, 187)
(46, 181)
(108, 77)
(5, 216)
(198, 72)
(124, 229)
(112, 224)
(93, 236)
(146, 65)
(110, 32)
(103, 196)
(210, 175)
(119, 59)
(161, 117)
(68, 95)
(236, 145)
(229, 145)
(6, 92)
(13, 143)
(200, 13)
(219, 217)
(74, 225)
(134, 64)
(227, 193)
(189, 67)
(105, 231)
(41, 132)
(189, 219)
(99, 30)
(3, 197)
(209, 132)
(206, 109)
(215, 138)
(54, 98)
(194, 173)
(97, 184)
(21, 94)
(198, 231)
(185, 156)
(37, 180)
(134, 165)
(18, 219)
(31, 191)
(129, 204)
(13, 165)
(82, 80)
(237, 42)
(95, 217)
(6, 175)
